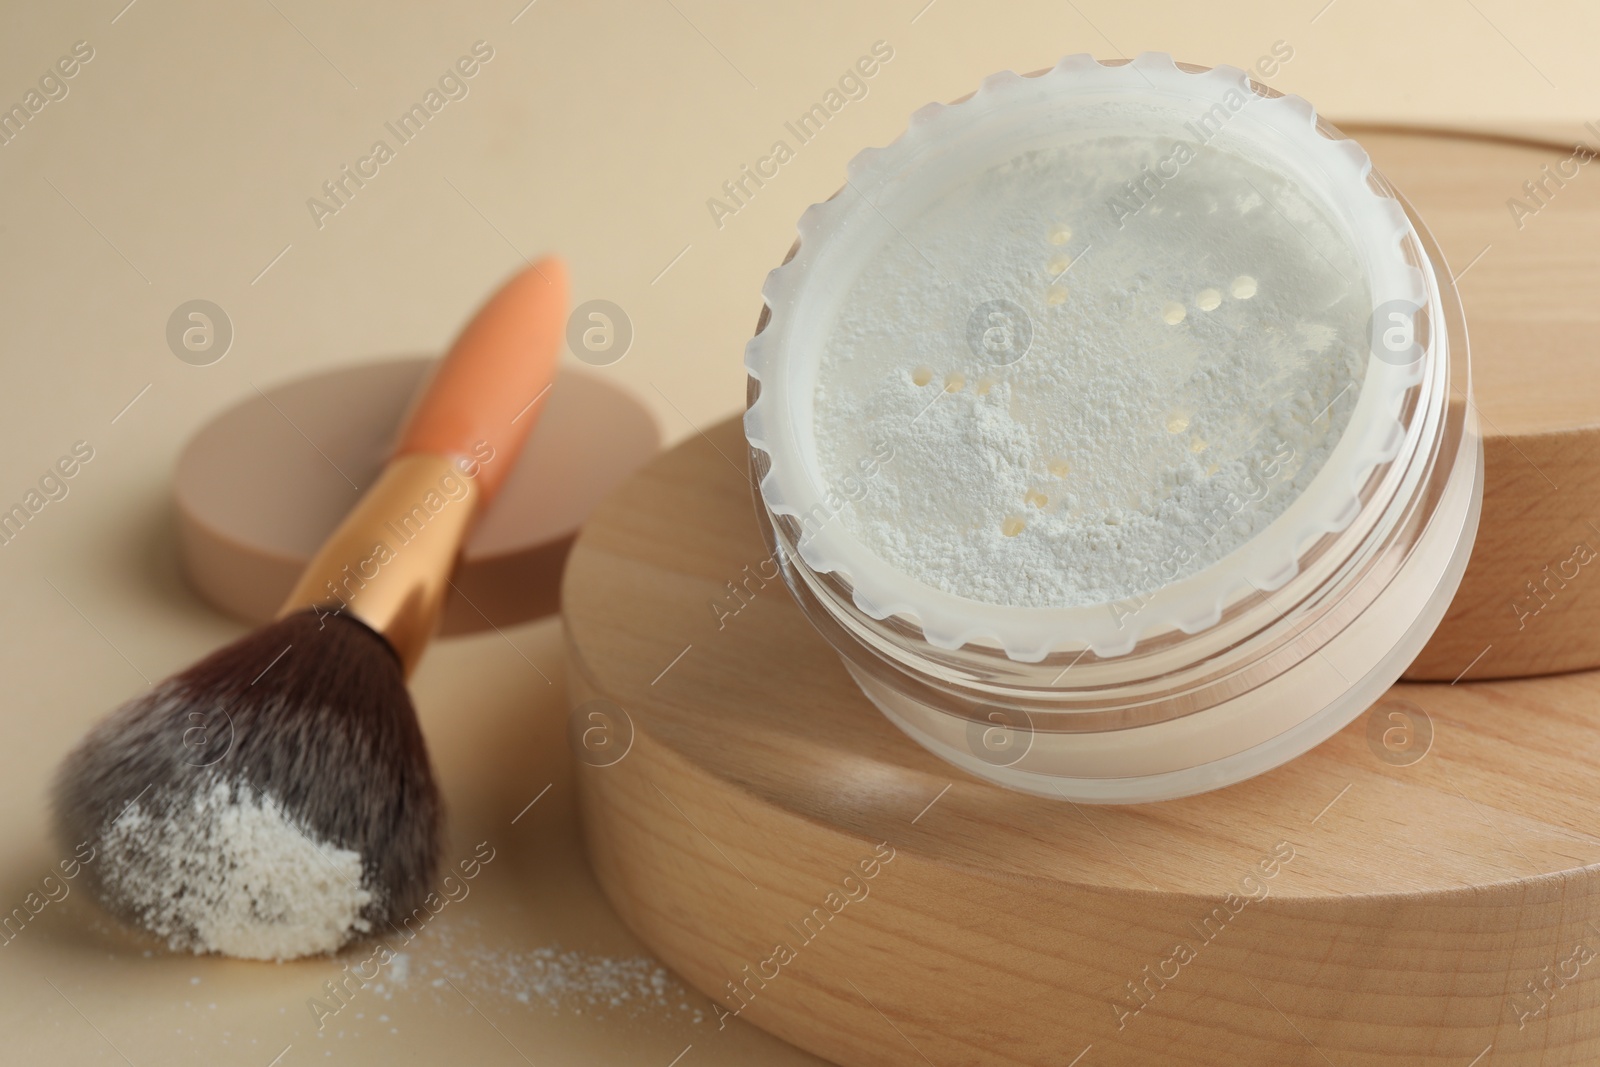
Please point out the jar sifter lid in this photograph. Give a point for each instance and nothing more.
(1067, 109)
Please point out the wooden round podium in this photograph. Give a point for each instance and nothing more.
(1422, 889)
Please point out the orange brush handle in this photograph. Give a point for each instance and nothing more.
(388, 563)
(487, 393)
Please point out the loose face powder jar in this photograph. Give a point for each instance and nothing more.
(1114, 425)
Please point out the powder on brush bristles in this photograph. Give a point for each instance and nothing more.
(231, 872)
(275, 800)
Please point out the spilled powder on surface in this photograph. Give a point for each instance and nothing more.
(231, 871)
(550, 976)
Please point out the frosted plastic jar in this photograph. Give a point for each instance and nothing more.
(1222, 673)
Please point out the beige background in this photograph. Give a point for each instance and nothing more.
(179, 166)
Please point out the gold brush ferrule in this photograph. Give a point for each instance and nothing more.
(389, 562)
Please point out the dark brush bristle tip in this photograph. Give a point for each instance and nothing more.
(274, 800)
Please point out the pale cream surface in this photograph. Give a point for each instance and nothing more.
(191, 143)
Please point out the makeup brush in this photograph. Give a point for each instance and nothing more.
(276, 800)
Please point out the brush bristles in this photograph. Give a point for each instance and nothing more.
(274, 800)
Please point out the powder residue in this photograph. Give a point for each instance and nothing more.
(1194, 348)
(551, 976)
(229, 870)
(586, 983)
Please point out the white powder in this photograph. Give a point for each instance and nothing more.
(231, 872)
(581, 982)
(1196, 353)
(556, 978)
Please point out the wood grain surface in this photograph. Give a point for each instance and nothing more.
(1528, 277)
(1416, 890)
